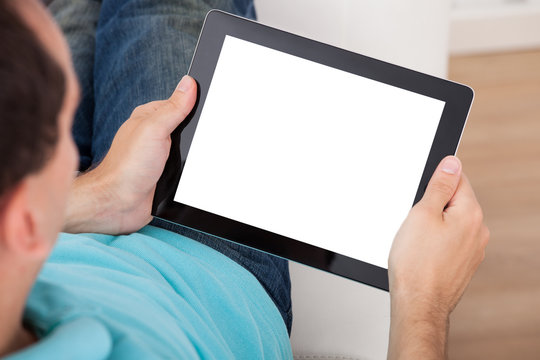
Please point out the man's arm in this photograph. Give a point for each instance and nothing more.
(116, 197)
(433, 258)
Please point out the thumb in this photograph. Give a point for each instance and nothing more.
(181, 103)
(443, 184)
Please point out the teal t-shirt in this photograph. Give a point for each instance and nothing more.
(149, 295)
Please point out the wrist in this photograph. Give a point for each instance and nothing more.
(91, 206)
(419, 327)
(420, 304)
(420, 310)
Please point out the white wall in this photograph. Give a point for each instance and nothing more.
(412, 33)
(494, 25)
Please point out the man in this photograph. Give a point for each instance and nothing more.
(156, 294)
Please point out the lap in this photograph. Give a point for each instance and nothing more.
(271, 271)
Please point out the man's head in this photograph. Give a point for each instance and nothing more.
(38, 98)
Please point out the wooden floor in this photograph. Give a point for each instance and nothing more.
(499, 315)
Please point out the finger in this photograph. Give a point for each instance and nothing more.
(179, 104)
(464, 194)
(486, 236)
(464, 206)
(443, 184)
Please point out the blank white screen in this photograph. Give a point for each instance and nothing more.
(308, 151)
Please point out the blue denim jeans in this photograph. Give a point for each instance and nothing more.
(129, 52)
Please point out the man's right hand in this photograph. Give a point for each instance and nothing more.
(116, 197)
(433, 258)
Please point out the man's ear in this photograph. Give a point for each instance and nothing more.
(19, 231)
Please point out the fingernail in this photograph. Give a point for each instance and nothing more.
(450, 165)
(184, 85)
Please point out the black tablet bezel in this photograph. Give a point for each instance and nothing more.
(218, 24)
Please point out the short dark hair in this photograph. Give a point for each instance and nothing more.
(32, 88)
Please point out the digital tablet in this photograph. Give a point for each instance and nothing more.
(304, 150)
